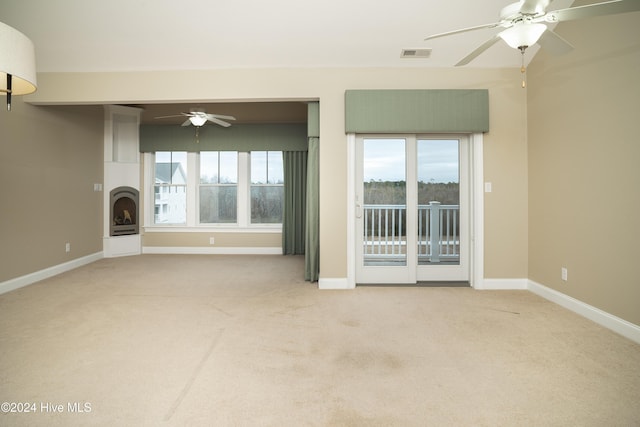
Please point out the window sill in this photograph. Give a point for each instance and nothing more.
(212, 229)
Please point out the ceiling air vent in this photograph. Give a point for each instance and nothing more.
(415, 53)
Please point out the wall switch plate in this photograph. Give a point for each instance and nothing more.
(67, 247)
(212, 240)
(487, 187)
(564, 274)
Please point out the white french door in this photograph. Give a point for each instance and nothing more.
(412, 208)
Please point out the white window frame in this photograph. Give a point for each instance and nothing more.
(243, 224)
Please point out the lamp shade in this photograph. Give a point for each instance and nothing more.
(523, 34)
(17, 57)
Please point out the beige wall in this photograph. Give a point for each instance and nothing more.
(50, 157)
(222, 240)
(583, 112)
(505, 153)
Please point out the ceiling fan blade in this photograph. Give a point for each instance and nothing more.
(220, 116)
(219, 122)
(166, 117)
(463, 30)
(553, 43)
(591, 10)
(186, 123)
(484, 46)
(532, 7)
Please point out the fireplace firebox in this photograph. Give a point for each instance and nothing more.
(124, 211)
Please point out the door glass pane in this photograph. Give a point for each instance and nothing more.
(384, 205)
(438, 202)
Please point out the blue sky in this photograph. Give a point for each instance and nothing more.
(437, 160)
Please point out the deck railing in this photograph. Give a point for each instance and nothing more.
(438, 232)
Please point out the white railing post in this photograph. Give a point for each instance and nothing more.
(434, 222)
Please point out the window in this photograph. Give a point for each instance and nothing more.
(267, 187)
(227, 189)
(170, 187)
(218, 189)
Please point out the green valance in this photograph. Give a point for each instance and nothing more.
(417, 111)
(238, 137)
(313, 119)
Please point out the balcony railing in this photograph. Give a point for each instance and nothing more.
(438, 233)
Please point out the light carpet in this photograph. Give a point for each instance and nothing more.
(177, 340)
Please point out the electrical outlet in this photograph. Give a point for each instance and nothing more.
(564, 274)
(97, 187)
(67, 247)
(212, 240)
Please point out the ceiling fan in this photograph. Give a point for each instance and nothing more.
(198, 118)
(524, 24)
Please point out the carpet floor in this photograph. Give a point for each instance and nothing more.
(178, 340)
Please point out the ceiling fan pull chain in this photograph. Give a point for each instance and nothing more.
(197, 135)
(523, 70)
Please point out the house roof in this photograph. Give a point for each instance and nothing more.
(170, 173)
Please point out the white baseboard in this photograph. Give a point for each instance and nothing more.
(22, 281)
(334, 284)
(502, 284)
(616, 324)
(203, 250)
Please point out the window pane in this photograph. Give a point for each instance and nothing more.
(258, 167)
(209, 167)
(171, 167)
(384, 235)
(266, 204)
(228, 167)
(170, 202)
(218, 204)
(266, 167)
(384, 172)
(218, 200)
(219, 167)
(275, 172)
(438, 171)
(267, 190)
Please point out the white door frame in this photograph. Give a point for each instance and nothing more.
(476, 232)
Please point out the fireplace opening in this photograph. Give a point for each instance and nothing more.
(124, 211)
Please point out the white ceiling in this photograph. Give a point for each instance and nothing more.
(137, 35)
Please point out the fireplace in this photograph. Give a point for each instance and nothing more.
(124, 211)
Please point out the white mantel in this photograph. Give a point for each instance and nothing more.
(121, 168)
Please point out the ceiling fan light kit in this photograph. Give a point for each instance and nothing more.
(198, 120)
(523, 34)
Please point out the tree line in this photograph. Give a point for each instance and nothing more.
(394, 192)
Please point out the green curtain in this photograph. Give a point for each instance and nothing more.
(295, 189)
(312, 251)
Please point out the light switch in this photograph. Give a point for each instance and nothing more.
(487, 187)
